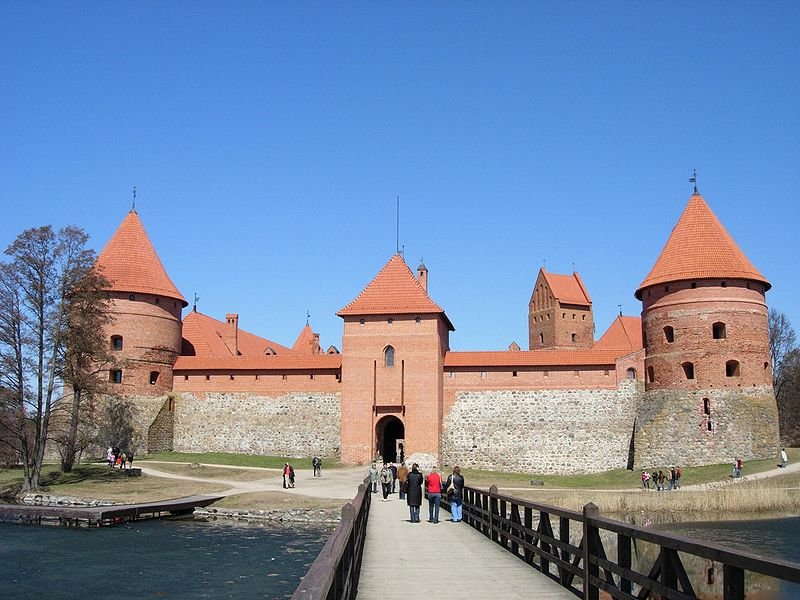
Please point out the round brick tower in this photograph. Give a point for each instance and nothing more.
(145, 335)
(708, 382)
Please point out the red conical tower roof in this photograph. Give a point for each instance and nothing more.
(131, 264)
(700, 248)
(394, 291)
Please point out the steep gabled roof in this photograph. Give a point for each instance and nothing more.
(204, 336)
(625, 333)
(131, 264)
(306, 342)
(699, 247)
(394, 291)
(567, 289)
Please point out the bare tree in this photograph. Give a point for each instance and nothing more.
(782, 340)
(37, 285)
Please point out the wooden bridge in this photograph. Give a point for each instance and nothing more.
(97, 516)
(511, 548)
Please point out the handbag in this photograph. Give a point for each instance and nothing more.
(451, 489)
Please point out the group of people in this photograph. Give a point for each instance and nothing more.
(411, 489)
(288, 476)
(661, 481)
(118, 458)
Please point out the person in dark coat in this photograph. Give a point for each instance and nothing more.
(456, 493)
(414, 497)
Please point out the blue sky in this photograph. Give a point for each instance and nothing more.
(268, 142)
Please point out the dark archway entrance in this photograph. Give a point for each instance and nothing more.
(389, 432)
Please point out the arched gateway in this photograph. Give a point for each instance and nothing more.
(389, 432)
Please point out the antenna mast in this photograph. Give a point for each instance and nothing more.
(397, 228)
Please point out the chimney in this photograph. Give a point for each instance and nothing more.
(232, 333)
(422, 276)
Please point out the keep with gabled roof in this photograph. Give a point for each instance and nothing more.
(130, 262)
(699, 247)
(393, 291)
(204, 336)
(567, 289)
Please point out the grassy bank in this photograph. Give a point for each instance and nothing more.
(275, 500)
(238, 460)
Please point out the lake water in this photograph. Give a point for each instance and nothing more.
(776, 538)
(155, 559)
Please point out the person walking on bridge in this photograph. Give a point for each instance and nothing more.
(433, 485)
(414, 492)
(455, 493)
(386, 481)
(402, 477)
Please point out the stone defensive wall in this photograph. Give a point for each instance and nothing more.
(581, 428)
(694, 427)
(299, 423)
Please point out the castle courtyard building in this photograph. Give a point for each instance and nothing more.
(689, 382)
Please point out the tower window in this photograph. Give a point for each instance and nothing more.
(723, 284)
(732, 368)
(651, 375)
(153, 377)
(718, 331)
(116, 342)
(388, 356)
(361, 321)
(390, 321)
(574, 338)
(483, 374)
(688, 370)
(563, 315)
(513, 373)
(630, 373)
(694, 285)
(131, 297)
(706, 406)
(669, 334)
(116, 376)
(541, 338)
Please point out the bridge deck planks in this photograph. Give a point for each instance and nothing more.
(404, 560)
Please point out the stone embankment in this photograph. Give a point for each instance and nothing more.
(278, 515)
(52, 500)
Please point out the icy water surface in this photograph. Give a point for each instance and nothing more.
(155, 559)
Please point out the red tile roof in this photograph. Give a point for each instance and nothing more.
(204, 337)
(700, 248)
(306, 342)
(278, 362)
(131, 264)
(625, 333)
(394, 291)
(533, 358)
(567, 289)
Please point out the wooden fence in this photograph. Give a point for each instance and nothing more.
(334, 574)
(570, 547)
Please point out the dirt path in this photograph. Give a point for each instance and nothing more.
(335, 483)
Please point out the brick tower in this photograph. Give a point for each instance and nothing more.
(393, 346)
(708, 383)
(560, 313)
(145, 333)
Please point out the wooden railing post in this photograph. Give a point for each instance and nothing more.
(590, 591)
(492, 513)
(624, 560)
(563, 535)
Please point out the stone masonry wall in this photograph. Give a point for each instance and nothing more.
(542, 431)
(291, 424)
(673, 426)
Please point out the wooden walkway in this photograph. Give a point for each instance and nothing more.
(418, 560)
(102, 515)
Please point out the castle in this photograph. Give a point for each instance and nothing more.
(687, 383)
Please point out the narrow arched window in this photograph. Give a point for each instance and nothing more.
(718, 331)
(669, 334)
(651, 375)
(574, 337)
(732, 368)
(631, 373)
(541, 338)
(388, 356)
(116, 376)
(688, 370)
(116, 342)
(154, 377)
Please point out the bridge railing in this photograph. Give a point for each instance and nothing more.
(335, 572)
(570, 547)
